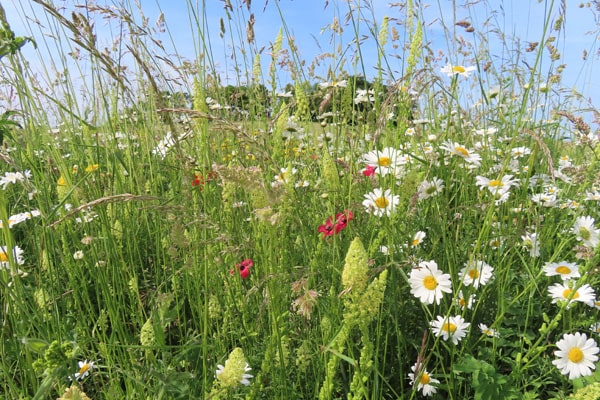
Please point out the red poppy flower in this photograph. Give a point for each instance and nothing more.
(327, 229)
(198, 181)
(333, 226)
(369, 170)
(243, 268)
(342, 219)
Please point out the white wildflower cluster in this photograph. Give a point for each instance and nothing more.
(14, 177)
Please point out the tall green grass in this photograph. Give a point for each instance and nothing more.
(148, 190)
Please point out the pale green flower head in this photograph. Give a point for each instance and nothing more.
(371, 300)
(234, 371)
(589, 392)
(147, 337)
(356, 269)
(330, 173)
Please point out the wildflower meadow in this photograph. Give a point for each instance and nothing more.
(414, 212)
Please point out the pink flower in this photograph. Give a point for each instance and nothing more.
(369, 170)
(243, 268)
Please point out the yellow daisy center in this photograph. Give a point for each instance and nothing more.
(3, 257)
(459, 69)
(567, 292)
(384, 161)
(575, 355)
(462, 302)
(381, 202)
(461, 151)
(449, 327)
(496, 183)
(430, 282)
(563, 269)
(425, 379)
(473, 274)
(84, 368)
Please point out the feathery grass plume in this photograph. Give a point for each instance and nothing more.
(199, 104)
(117, 231)
(302, 106)
(42, 299)
(330, 173)
(383, 32)
(416, 47)
(356, 269)
(275, 49)
(256, 70)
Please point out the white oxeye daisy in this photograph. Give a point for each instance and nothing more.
(586, 232)
(13, 177)
(418, 238)
(496, 186)
(518, 152)
(430, 188)
(428, 283)
(476, 273)
(17, 255)
(491, 332)
(531, 242)
(592, 195)
(565, 270)
(283, 177)
(576, 354)
(451, 70)
(85, 367)
(423, 379)
(545, 199)
(595, 327)
(380, 203)
(386, 161)
(465, 302)
(562, 292)
(461, 151)
(454, 328)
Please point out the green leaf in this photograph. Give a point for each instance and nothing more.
(36, 345)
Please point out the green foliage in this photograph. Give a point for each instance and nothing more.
(234, 243)
(485, 381)
(9, 43)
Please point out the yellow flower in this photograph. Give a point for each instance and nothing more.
(91, 168)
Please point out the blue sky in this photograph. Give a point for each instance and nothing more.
(307, 19)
